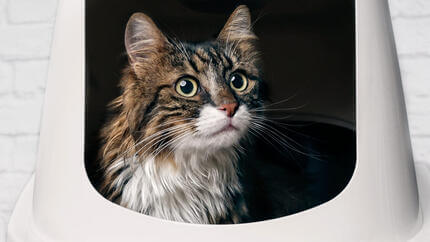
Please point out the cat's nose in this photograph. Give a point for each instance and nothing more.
(229, 108)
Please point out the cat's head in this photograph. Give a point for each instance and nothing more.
(191, 96)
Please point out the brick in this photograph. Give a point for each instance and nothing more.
(404, 8)
(24, 11)
(11, 185)
(421, 149)
(419, 124)
(24, 42)
(416, 75)
(3, 227)
(6, 77)
(412, 35)
(20, 115)
(6, 146)
(30, 76)
(3, 15)
(4, 219)
(417, 104)
(24, 153)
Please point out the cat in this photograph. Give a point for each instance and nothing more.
(172, 148)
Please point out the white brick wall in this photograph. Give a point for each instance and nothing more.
(411, 23)
(25, 36)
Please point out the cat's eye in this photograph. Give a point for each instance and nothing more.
(238, 81)
(186, 86)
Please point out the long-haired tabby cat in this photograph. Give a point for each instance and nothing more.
(171, 150)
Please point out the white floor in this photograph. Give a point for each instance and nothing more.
(25, 35)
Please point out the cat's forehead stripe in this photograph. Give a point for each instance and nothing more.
(207, 57)
(202, 54)
(229, 61)
(193, 64)
(212, 55)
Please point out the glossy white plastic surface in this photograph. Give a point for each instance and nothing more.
(380, 203)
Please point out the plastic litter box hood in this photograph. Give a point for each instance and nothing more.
(381, 202)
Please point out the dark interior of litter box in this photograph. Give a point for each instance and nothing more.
(308, 50)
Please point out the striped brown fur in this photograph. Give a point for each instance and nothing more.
(149, 104)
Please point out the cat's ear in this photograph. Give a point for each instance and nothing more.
(143, 40)
(238, 26)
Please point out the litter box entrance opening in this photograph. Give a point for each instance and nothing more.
(308, 51)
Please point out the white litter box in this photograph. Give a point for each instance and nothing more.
(385, 196)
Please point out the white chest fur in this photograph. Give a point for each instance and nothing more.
(199, 189)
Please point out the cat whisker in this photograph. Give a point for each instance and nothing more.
(274, 131)
(272, 120)
(281, 138)
(160, 139)
(260, 133)
(167, 144)
(259, 124)
(282, 101)
(285, 117)
(151, 136)
(167, 123)
(166, 130)
(264, 109)
(167, 135)
(283, 125)
(280, 142)
(282, 118)
(175, 147)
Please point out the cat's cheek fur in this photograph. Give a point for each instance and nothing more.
(209, 135)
